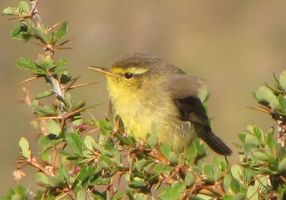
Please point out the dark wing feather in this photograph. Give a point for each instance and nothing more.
(191, 109)
(185, 91)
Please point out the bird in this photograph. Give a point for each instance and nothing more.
(152, 96)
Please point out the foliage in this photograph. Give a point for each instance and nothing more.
(82, 158)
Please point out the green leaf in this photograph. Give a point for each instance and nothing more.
(258, 133)
(274, 104)
(75, 142)
(17, 197)
(45, 62)
(282, 165)
(227, 182)
(43, 110)
(265, 95)
(192, 151)
(25, 147)
(60, 33)
(162, 169)
(241, 136)
(140, 196)
(251, 140)
(190, 179)
(101, 181)
(228, 197)
(208, 171)
(138, 183)
(18, 193)
(81, 195)
(237, 196)
(140, 164)
(41, 34)
(237, 172)
(168, 153)
(252, 192)
(221, 164)
(200, 148)
(77, 120)
(44, 94)
(175, 192)
(271, 141)
(89, 142)
(10, 11)
(282, 102)
(86, 175)
(46, 142)
(105, 161)
(63, 175)
(44, 179)
(73, 105)
(250, 143)
(282, 80)
(24, 7)
(260, 155)
(54, 127)
(77, 105)
(60, 71)
(152, 140)
(65, 77)
(61, 62)
(21, 32)
(27, 64)
(118, 195)
(235, 186)
(105, 127)
(126, 140)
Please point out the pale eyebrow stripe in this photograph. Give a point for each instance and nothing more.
(138, 71)
(133, 70)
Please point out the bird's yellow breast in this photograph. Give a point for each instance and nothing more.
(143, 113)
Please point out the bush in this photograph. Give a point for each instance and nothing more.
(82, 158)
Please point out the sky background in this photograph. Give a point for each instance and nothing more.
(235, 46)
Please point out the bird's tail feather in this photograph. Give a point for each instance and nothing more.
(215, 143)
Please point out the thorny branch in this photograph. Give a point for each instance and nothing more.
(97, 158)
(50, 77)
(35, 14)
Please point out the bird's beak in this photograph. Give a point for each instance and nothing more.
(101, 70)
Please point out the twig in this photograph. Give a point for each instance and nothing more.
(34, 162)
(282, 178)
(54, 26)
(56, 87)
(82, 85)
(35, 14)
(27, 80)
(260, 108)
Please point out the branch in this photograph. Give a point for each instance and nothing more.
(35, 14)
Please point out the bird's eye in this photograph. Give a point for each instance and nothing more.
(128, 75)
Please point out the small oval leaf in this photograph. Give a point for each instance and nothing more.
(282, 80)
(54, 127)
(265, 94)
(61, 32)
(25, 147)
(282, 165)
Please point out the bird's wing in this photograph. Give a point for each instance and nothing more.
(185, 91)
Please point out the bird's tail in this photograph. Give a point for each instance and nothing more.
(215, 143)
